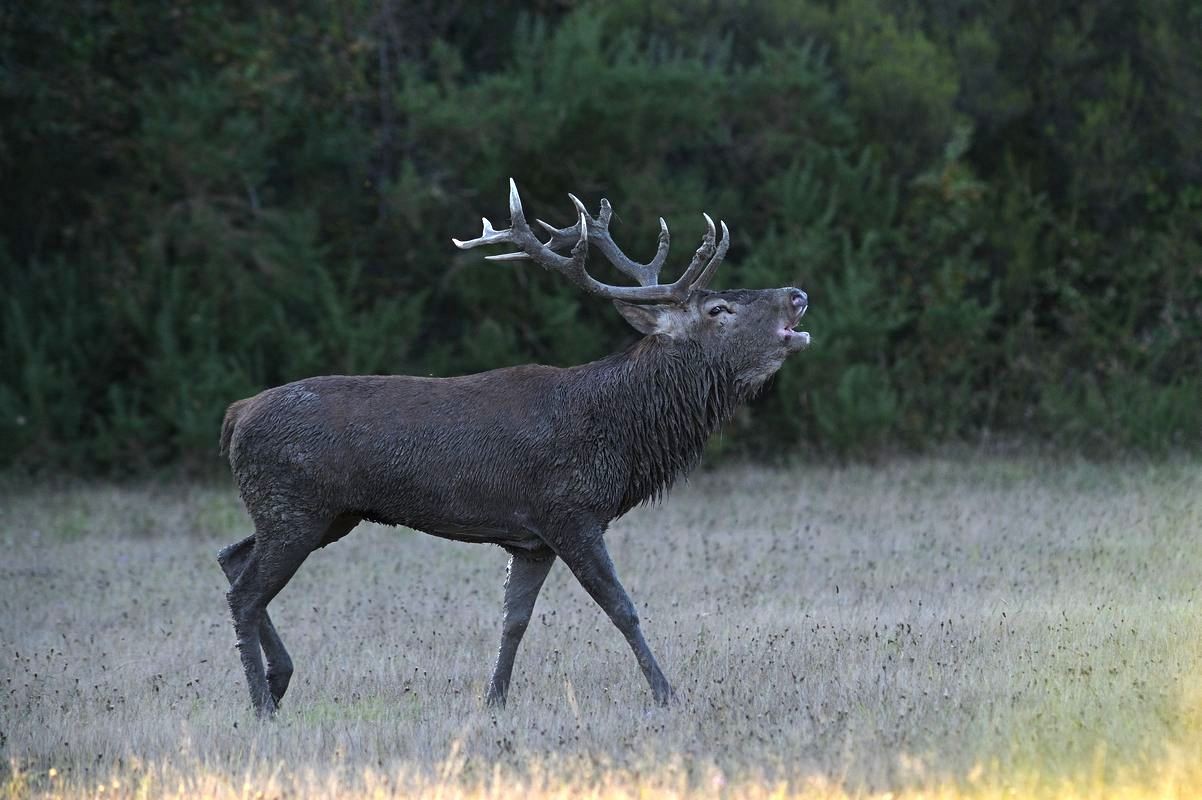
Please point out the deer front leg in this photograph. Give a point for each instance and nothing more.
(589, 561)
(526, 574)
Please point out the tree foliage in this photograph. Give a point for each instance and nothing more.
(996, 208)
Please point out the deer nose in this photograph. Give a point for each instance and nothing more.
(798, 299)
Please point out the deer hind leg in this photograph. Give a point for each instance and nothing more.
(526, 574)
(279, 663)
(279, 549)
(589, 561)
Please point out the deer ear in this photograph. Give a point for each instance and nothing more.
(646, 319)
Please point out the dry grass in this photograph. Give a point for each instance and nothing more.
(931, 628)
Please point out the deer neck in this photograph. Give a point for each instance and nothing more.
(654, 406)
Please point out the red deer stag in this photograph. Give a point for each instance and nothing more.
(536, 459)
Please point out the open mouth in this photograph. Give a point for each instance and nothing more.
(794, 339)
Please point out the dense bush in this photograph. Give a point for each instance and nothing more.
(996, 208)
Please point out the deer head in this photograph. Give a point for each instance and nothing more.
(749, 330)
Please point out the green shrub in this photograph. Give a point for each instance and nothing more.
(996, 211)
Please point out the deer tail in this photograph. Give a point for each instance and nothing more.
(229, 423)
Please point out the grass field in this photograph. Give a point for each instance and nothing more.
(941, 627)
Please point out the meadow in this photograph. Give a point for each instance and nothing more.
(946, 626)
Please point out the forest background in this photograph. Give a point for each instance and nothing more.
(996, 208)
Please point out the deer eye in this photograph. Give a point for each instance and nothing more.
(716, 310)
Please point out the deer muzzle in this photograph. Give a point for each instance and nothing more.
(795, 340)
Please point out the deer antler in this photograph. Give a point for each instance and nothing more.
(595, 230)
(598, 234)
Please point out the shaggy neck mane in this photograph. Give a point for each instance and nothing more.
(658, 401)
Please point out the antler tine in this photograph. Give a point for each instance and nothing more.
(723, 245)
(489, 236)
(703, 254)
(516, 215)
